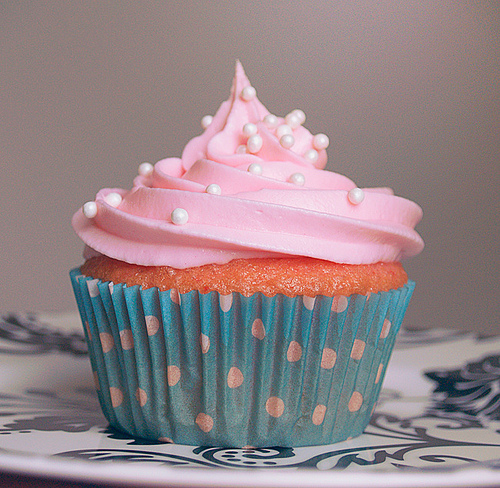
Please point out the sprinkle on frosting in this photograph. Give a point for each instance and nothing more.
(287, 141)
(254, 144)
(145, 169)
(297, 179)
(270, 121)
(293, 120)
(320, 141)
(179, 216)
(311, 155)
(255, 169)
(206, 121)
(89, 210)
(249, 129)
(213, 189)
(114, 199)
(283, 130)
(248, 93)
(356, 196)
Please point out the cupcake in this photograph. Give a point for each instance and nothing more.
(241, 295)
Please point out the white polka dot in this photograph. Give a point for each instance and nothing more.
(226, 302)
(87, 328)
(355, 402)
(175, 296)
(141, 396)
(204, 422)
(379, 373)
(319, 414)
(358, 348)
(385, 329)
(258, 329)
(328, 358)
(173, 375)
(107, 341)
(294, 352)
(308, 302)
(234, 377)
(116, 396)
(275, 406)
(339, 304)
(205, 343)
(92, 287)
(97, 384)
(152, 324)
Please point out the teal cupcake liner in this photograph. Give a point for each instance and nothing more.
(229, 370)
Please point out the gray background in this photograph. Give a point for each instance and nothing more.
(407, 91)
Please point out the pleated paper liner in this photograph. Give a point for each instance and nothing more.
(230, 370)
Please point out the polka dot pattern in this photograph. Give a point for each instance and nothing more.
(173, 375)
(379, 372)
(226, 302)
(355, 402)
(234, 377)
(116, 396)
(152, 325)
(93, 289)
(328, 358)
(358, 348)
(386, 328)
(141, 396)
(166, 440)
(126, 339)
(339, 304)
(107, 341)
(275, 406)
(258, 329)
(205, 343)
(204, 422)
(319, 414)
(175, 296)
(294, 352)
(308, 302)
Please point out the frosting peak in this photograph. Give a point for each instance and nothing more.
(251, 185)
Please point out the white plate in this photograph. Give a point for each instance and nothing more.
(437, 422)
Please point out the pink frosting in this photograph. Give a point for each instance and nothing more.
(255, 215)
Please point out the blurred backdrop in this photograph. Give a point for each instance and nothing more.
(407, 92)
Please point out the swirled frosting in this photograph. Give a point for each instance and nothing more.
(244, 188)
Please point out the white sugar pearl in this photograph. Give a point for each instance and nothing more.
(282, 130)
(287, 141)
(320, 141)
(254, 144)
(213, 189)
(292, 120)
(248, 93)
(255, 169)
(241, 149)
(206, 121)
(90, 210)
(145, 169)
(300, 114)
(297, 179)
(270, 121)
(311, 155)
(113, 199)
(249, 129)
(356, 196)
(179, 216)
